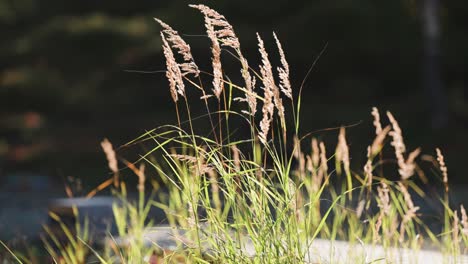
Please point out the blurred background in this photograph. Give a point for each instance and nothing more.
(74, 72)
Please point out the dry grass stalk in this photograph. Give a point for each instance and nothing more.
(218, 84)
(378, 225)
(177, 43)
(236, 157)
(368, 168)
(313, 165)
(226, 35)
(110, 155)
(187, 158)
(410, 212)
(299, 156)
(397, 135)
(283, 72)
(342, 151)
(111, 159)
(384, 198)
(455, 228)
(268, 82)
(297, 147)
(377, 124)
(443, 168)
(315, 153)
(196, 164)
(215, 47)
(406, 167)
(464, 220)
(378, 141)
(250, 95)
(141, 178)
(173, 72)
(323, 171)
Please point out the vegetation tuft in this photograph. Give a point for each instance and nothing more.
(267, 196)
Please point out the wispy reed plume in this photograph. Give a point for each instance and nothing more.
(443, 168)
(378, 224)
(384, 198)
(377, 124)
(406, 167)
(397, 135)
(315, 152)
(186, 158)
(269, 81)
(141, 178)
(196, 164)
(314, 166)
(236, 157)
(269, 86)
(323, 171)
(173, 72)
(342, 156)
(250, 95)
(297, 147)
(378, 141)
(177, 43)
(368, 168)
(212, 19)
(410, 212)
(283, 71)
(110, 155)
(218, 84)
(111, 159)
(464, 220)
(455, 228)
(342, 151)
(226, 35)
(300, 157)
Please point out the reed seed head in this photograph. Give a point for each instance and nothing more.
(173, 72)
(110, 155)
(464, 220)
(442, 167)
(283, 71)
(342, 151)
(377, 124)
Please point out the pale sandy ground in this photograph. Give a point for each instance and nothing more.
(324, 251)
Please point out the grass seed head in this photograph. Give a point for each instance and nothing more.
(283, 71)
(173, 73)
(177, 43)
(464, 220)
(110, 155)
(377, 124)
(342, 151)
(442, 167)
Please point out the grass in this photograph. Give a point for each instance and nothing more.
(265, 194)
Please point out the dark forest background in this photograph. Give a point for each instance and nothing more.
(71, 73)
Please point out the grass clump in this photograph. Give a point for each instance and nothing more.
(265, 194)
